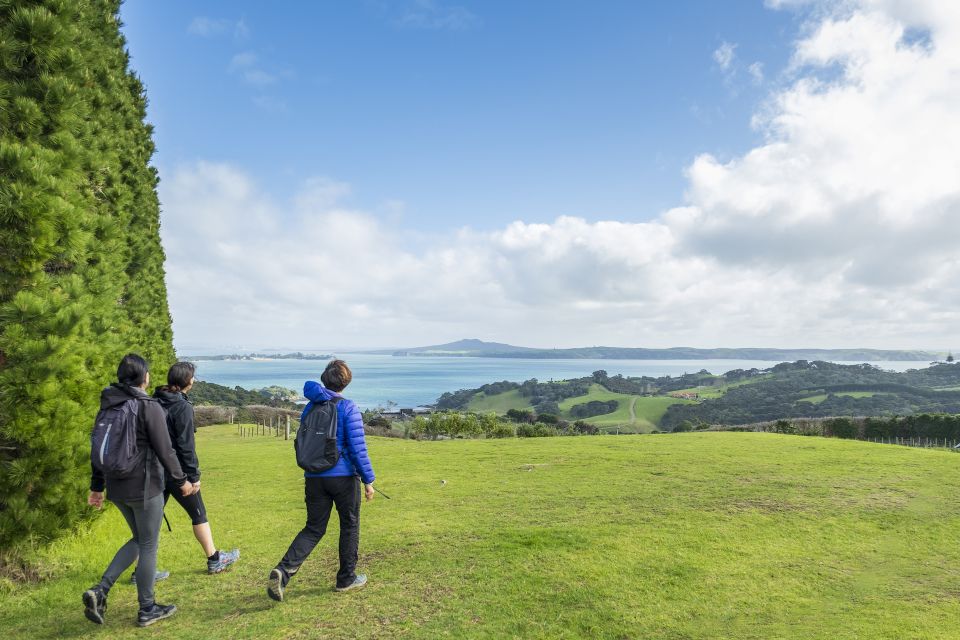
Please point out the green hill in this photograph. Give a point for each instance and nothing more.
(500, 402)
(701, 535)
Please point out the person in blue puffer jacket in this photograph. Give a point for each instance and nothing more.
(338, 486)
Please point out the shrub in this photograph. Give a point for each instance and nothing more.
(784, 426)
(536, 430)
(840, 428)
(521, 415)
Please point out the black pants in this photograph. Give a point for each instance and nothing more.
(321, 495)
(192, 504)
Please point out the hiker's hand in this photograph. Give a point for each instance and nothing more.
(368, 491)
(196, 487)
(95, 499)
(186, 488)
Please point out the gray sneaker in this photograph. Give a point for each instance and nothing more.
(275, 585)
(161, 575)
(357, 583)
(226, 559)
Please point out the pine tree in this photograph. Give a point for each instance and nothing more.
(81, 266)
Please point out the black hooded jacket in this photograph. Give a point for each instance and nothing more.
(181, 428)
(151, 434)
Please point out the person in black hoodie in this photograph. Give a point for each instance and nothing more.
(138, 496)
(180, 425)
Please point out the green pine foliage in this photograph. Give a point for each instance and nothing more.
(81, 266)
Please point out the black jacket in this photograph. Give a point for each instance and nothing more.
(181, 428)
(151, 435)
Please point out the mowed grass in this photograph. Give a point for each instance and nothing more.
(647, 410)
(499, 402)
(685, 536)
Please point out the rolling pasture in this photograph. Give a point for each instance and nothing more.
(697, 535)
(700, 535)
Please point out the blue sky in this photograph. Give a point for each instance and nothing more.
(460, 113)
(768, 173)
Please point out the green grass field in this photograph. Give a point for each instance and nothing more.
(647, 410)
(685, 536)
(500, 402)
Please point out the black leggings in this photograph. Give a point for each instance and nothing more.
(192, 504)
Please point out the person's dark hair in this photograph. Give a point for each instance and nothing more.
(336, 376)
(132, 370)
(179, 376)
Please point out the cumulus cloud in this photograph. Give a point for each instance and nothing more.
(840, 229)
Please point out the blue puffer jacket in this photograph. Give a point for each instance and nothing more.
(350, 441)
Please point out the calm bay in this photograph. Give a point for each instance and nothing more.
(420, 380)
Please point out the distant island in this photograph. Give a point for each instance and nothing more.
(262, 356)
(471, 348)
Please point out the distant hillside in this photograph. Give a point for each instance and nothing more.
(477, 348)
(467, 347)
(799, 389)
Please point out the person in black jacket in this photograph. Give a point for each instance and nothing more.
(173, 398)
(138, 496)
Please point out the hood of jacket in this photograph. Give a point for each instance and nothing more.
(316, 392)
(118, 393)
(169, 398)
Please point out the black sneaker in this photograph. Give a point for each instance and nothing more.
(147, 617)
(275, 585)
(95, 603)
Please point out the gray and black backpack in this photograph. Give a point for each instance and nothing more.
(316, 443)
(113, 442)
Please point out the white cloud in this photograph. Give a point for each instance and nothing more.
(841, 229)
(434, 14)
(724, 55)
(756, 72)
(211, 27)
(247, 65)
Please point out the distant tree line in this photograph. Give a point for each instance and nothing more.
(521, 424)
(208, 393)
(935, 426)
(593, 408)
(297, 355)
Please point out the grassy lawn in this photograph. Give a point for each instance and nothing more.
(693, 536)
(500, 402)
(647, 409)
(817, 399)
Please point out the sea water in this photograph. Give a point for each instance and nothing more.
(413, 381)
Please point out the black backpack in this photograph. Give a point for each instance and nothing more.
(316, 443)
(113, 442)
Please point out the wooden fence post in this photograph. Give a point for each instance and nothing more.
(286, 433)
